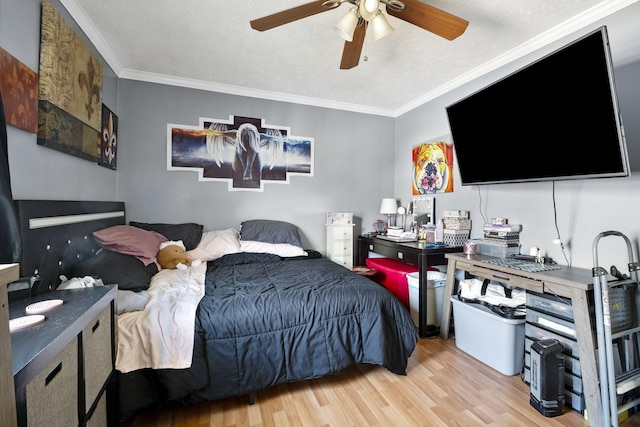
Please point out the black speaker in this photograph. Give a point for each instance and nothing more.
(547, 377)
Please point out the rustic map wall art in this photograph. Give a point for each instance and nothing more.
(19, 89)
(245, 152)
(70, 104)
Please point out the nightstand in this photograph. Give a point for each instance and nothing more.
(63, 368)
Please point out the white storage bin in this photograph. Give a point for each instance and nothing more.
(488, 337)
(436, 282)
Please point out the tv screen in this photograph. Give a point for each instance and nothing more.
(554, 119)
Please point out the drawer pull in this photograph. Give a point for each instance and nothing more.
(53, 374)
(500, 278)
(96, 326)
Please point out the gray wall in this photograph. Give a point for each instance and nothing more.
(359, 159)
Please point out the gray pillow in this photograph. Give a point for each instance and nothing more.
(270, 231)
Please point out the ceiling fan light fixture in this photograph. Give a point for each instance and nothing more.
(353, 26)
(368, 9)
(347, 25)
(380, 26)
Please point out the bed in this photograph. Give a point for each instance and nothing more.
(253, 310)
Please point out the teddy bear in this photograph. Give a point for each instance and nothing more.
(173, 255)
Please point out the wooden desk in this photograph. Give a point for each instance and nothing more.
(415, 253)
(573, 283)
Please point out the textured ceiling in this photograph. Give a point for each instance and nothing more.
(210, 45)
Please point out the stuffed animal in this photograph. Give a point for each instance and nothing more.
(173, 254)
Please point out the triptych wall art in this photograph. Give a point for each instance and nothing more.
(432, 167)
(245, 152)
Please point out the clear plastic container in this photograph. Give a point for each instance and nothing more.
(439, 236)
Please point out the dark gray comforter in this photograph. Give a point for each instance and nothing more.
(265, 321)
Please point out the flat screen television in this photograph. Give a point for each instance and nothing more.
(555, 119)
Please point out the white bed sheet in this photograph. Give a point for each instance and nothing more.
(161, 336)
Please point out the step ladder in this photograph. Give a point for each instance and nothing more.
(618, 334)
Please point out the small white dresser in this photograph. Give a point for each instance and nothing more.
(340, 238)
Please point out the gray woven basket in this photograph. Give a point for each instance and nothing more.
(622, 307)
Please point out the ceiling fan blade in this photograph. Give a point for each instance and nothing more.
(353, 49)
(431, 19)
(289, 15)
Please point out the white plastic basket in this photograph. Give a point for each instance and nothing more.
(436, 282)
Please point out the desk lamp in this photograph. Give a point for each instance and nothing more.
(389, 207)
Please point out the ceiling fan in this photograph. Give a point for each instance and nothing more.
(353, 26)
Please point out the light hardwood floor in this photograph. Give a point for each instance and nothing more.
(443, 387)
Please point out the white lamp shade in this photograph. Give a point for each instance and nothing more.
(380, 26)
(368, 9)
(347, 25)
(389, 206)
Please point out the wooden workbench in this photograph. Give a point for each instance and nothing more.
(573, 283)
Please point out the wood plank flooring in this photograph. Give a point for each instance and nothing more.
(443, 387)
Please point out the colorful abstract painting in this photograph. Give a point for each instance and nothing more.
(245, 152)
(19, 89)
(70, 104)
(432, 168)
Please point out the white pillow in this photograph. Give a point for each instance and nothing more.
(280, 249)
(216, 243)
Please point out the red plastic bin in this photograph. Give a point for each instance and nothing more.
(392, 275)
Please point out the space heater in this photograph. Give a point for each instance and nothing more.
(547, 377)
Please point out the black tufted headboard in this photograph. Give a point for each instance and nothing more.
(56, 235)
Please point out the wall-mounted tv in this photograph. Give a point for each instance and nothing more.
(555, 119)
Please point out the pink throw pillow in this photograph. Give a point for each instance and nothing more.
(129, 240)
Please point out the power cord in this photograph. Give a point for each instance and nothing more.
(558, 240)
(482, 214)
